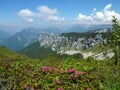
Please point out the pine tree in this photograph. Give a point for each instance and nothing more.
(115, 39)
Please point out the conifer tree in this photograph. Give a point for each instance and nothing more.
(115, 39)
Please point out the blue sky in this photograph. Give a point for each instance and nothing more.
(46, 13)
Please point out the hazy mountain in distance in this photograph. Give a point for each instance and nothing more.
(83, 28)
(21, 39)
(4, 35)
(28, 36)
(51, 30)
(25, 37)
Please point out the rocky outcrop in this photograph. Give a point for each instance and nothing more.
(62, 44)
(94, 41)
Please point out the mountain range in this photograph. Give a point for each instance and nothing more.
(66, 43)
(4, 34)
(21, 39)
(28, 36)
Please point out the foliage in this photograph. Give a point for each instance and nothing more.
(115, 39)
(35, 51)
(86, 35)
(62, 72)
(19, 75)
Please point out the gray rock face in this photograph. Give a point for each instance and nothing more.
(58, 42)
(94, 41)
(61, 43)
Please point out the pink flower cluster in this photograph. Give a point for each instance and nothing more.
(70, 70)
(47, 68)
(88, 88)
(57, 81)
(74, 73)
(26, 87)
(79, 72)
(60, 88)
(73, 76)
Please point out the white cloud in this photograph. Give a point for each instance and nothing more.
(99, 17)
(51, 14)
(84, 17)
(55, 18)
(28, 19)
(43, 12)
(47, 10)
(94, 10)
(26, 15)
(107, 7)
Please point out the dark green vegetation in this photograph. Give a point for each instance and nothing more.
(115, 39)
(88, 34)
(35, 51)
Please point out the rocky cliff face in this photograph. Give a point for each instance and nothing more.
(63, 44)
(94, 41)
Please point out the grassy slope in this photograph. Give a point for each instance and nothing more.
(6, 52)
(35, 51)
(18, 71)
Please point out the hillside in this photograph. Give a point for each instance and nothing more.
(6, 52)
(18, 72)
(35, 50)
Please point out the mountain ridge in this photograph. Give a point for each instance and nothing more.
(69, 43)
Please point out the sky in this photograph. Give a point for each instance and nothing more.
(18, 14)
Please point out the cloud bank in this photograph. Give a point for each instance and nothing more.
(98, 17)
(51, 14)
(26, 15)
(43, 12)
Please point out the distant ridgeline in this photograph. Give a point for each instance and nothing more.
(74, 40)
(29, 36)
(66, 43)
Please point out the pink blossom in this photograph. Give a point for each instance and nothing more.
(44, 68)
(60, 88)
(76, 72)
(81, 72)
(50, 69)
(71, 76)
(60, 71)
(88, 88)
(58, 81)
(75, 76)
(26, 87)
(70, 70)
(88, 80)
